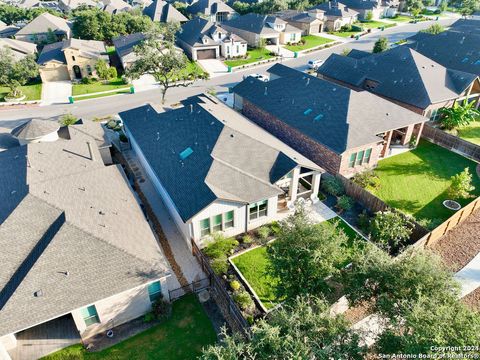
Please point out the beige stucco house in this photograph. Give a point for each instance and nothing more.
(37, 30)
(71, 59)
(311, 22)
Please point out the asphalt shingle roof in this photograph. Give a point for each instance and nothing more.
(401, 74)
(87, 48)
(335, 116)
(209, 7)
(256, 23)
(332, 8)
(125, 44)
(163, 11)
(34, 128)
(43, 22)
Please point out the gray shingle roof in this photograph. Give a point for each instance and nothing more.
(402, 74)
(358, 54)
(360, 4)
(209, 7)
(467, 26)
(88, 48)
(64, 212)
(125, 44)
(335, 116)
(256, 23)
(163, 11)
(34, 128)
(454, 50)
(220, 166)
(199, 32)
(43, 22)
(19, 49)
(332, 8)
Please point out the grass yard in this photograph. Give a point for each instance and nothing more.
(345, 34)
(95, 96)
(416, 182)
(254, 264)
(81, 89)
(375, 24)
(253, 55)
(181, 337)
(401, 18)
(470, 132)
(311, 41)
(32, 91)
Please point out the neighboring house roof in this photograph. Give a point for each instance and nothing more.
(125, 46)
(299, 16)
(73, 4)
(282, 71)
(360, 4)
(19, 49)
(209, 7)
(72, 232)
(400, 74)
(199, 32)
(468, 26)
(358, 54)
(115, 6)
(43, 22)
(87, 48)
(258, 24)
(335, 116)
(454, 50)
(34, 129)
(27, 4)
(7, 30)
(203, 152)
(162, 11)
(335, 9)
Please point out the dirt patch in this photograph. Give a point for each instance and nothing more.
(472, 300)
(359, 312)
(461, 244)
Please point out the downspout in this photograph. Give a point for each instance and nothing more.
(246, 218)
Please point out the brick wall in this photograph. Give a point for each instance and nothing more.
(347, 171)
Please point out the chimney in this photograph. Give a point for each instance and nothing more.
(90, 150)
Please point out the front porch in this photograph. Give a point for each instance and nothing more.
(299, 183)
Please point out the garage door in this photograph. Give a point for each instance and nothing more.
(56, 74)
(206, 54)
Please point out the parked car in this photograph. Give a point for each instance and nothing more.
(260, 77)
(315, 64)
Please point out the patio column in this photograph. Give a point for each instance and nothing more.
(418, 133)
(293, 190)
(387, 143)
(408, 135)
(316, 183)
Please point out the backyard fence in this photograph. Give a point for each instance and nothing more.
(375, 204)
(227, 306)
(193, 287)
(451, 142)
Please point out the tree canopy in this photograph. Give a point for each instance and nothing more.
(380, 45)
(459, 115)
(11, 14)
(13, 73)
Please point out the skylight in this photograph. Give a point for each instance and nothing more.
(465, 60)
(186, 153)
(308, 111)
(318, 117)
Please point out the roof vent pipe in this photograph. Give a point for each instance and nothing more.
(266, 91)
(90, 151)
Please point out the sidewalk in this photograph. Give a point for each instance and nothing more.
(469, 276)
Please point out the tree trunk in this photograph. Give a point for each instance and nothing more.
(164, 91)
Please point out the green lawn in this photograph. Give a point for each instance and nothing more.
(416, 182)
(401, 18)
(470, 132)
(344, 34)
(375, 24)
(254, 264)
(95, 96)
(311, 41)
(81, 89)
(253, 55)
(32, 91)
(181, 337)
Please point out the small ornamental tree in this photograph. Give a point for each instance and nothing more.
(381, 45)
(14, 74)
(103, 70)
(461, 185)
(390, 229)
(434, 29)
(369, 16)
(458, 115)
(68, 119)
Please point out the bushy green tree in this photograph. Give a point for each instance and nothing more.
(10, 13)
(102, 69)
(390, 229)
(380, 45)
(14, 74)
(459, 115)
(461, 186)
(434, 29)
(369, 16)
(304, 254)
(302, 330)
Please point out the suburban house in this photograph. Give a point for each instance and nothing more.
(125, 48)
(342, 130)
(7, 30)
(86, 260)
(452, 49)
(37, 31)
(405, 77)
(163, 11)
(199, 158)
(336, 15)
(115, 6)
(253, 27)
(71, 59)
(19, 49)
(216, 11)
(377, 8)
(309, 21)
(202, 39)
(70, 5)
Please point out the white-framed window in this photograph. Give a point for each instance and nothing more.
(205, 227)
(154, 291)
(359, 158)
(292, 37)
(434, 114)
(90, 315)
(217, 223)
(258, 210)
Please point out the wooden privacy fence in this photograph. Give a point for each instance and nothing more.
(451, 142)
(227, 306)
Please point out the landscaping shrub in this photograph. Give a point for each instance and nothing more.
(390, 230)
(364, 222)
(247, 239)
(346, 28)
(244, 300)
(148, 317)
(367, 179)
(220, 247)
(461, 185)
(235, 285)
(87, 80)
(263, 233)
(356, 28)
(429, 224)
(274, 227)
(332, 186)
(68, 119)
(219, 265)
(162, 309)
(344, 202)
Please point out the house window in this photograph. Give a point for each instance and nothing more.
(89, 70)
(366, 158)
(351, 163)
(154, 291)
(292, 37)
(228, 50)
(73, 58)
(219, 35)
(238, 49)
(217, 223)
(90, 315)
(434, 115)
(205, 227)
(359, 158)
(258, 209)
(228, 220)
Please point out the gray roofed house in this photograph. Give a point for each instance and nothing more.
(125, 47)
(202, 39)
(7, 30)
(452, 49)
(199, 157)
(36, 31)
(403, 76)
(330, 124)
(115, 6)
(217, 11)
(253, 27)
(19, 49)
(74, 236)
(309, 21)
(163, 11)
(70, 5)
(377, 8)
(336, 15)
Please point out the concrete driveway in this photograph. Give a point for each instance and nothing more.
(214, 67)
(54, 92)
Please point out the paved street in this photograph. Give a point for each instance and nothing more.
(109, 105)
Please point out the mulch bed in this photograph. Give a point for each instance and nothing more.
(461, 244)
(473, 300)
(359, 312)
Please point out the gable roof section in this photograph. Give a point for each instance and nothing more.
(87, 48)
(125, 44)
(332, 115)
(402, 74)
(467, 26)
(332, 8)
(19, 49)
(256, 23)
(43, 22)
(163, 11)
(209, 7)
(196, 30)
